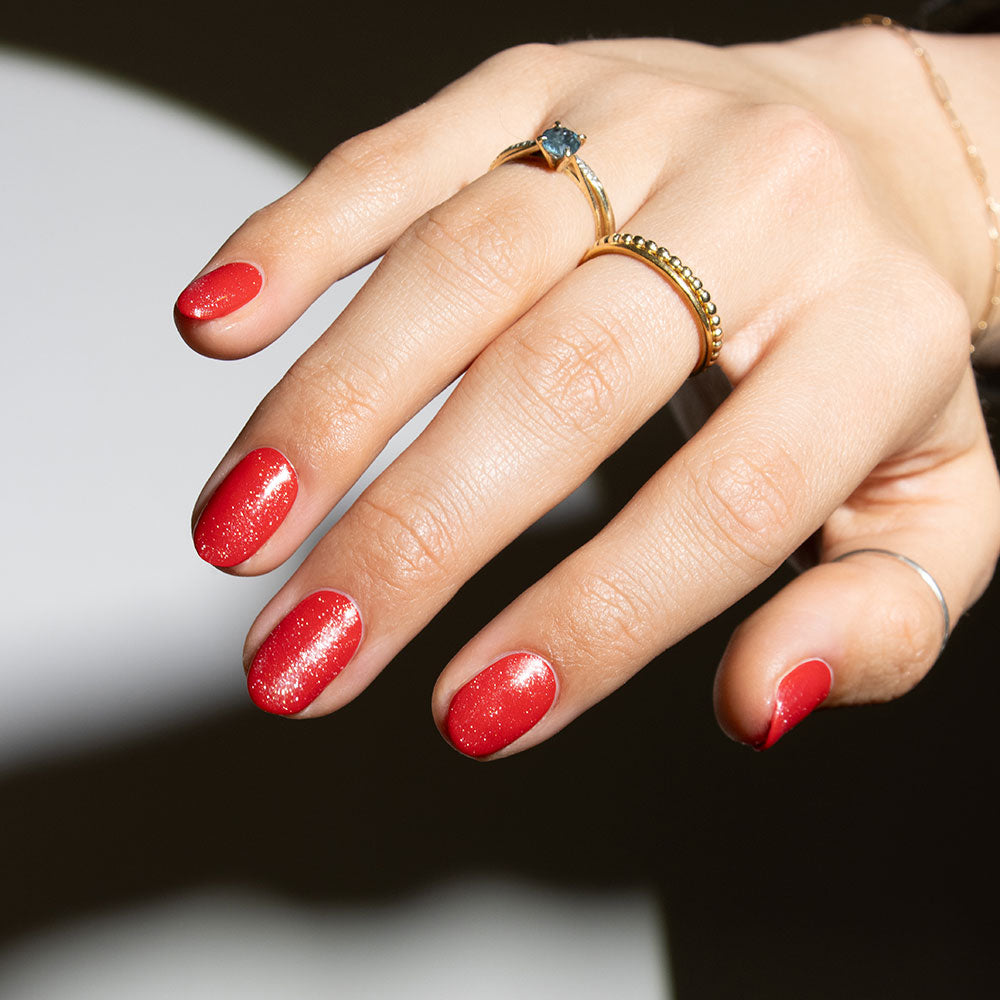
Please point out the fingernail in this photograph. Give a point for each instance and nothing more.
(247, 508)
(500, 704)
(304, 652)
(802, 689)
(220, 292)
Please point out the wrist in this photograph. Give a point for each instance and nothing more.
(870, 84)
(971, 66)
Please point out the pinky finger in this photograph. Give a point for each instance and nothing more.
(869, 622)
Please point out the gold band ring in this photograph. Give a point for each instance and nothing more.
(557, 147)
(681, 277)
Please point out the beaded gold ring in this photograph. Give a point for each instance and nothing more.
(681, 277)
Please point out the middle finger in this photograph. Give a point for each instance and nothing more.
(456, 279)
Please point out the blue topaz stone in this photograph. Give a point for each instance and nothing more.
(559, 142)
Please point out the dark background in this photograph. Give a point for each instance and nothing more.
(852, 860)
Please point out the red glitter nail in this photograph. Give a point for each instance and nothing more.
(220, 292)
(802, 689)
(306, 650)
(501, 703)
(247, 508)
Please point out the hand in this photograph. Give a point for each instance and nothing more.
(840, 236)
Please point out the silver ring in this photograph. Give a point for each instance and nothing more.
(924, 575)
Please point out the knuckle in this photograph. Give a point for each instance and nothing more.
(528, 57)
(574, 381)
(807, 160)
(292, 219)
(338, 404)
(611, 617)
(750, 501)
(484, 252)
(930, 323)
(943, 318)
(665, 95)
(409, 539)
(368, 162)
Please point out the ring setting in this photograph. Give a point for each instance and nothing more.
(559, 143)
(557, 147)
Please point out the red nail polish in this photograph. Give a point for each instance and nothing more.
(801, 690)
(304, 652)
(246, 509)
(220, 292)
(500, 703)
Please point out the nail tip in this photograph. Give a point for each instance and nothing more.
(207, 553)
(220, 292)
(459, 740)
(305, 652)
(271, 705)
(500, 704)
(800, 692)
(217, 556)
(246, 508)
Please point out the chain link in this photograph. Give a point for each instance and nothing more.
(971, 152)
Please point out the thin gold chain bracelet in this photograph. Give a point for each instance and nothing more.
(971, 151)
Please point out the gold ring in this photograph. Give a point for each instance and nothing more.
(681, 277)
(557, 147)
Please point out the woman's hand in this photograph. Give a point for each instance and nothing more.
(814, 187)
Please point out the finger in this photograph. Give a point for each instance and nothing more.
(535, 413)
(874, 622)
(784, 451)
(358, 200)
(452, 283)
(539, 408)
(533, 416)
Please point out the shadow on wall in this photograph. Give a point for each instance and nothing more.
(846, 862)
(823, 853)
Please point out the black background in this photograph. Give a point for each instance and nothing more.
(850, 861)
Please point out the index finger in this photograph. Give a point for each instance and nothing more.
(357, 201)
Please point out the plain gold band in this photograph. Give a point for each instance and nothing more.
(681, 277)
(578, 171)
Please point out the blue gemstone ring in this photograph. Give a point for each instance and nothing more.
(557, 147)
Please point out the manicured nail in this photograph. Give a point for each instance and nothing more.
(247, 508)
(220, 292)
(500, 703)
(801, 690)
(304, 652)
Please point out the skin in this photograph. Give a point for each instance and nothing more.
(842, 236)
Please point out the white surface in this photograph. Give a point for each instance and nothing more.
(478, 941)
(111, 623)
(112, 424)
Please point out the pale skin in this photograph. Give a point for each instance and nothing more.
(817, 189)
